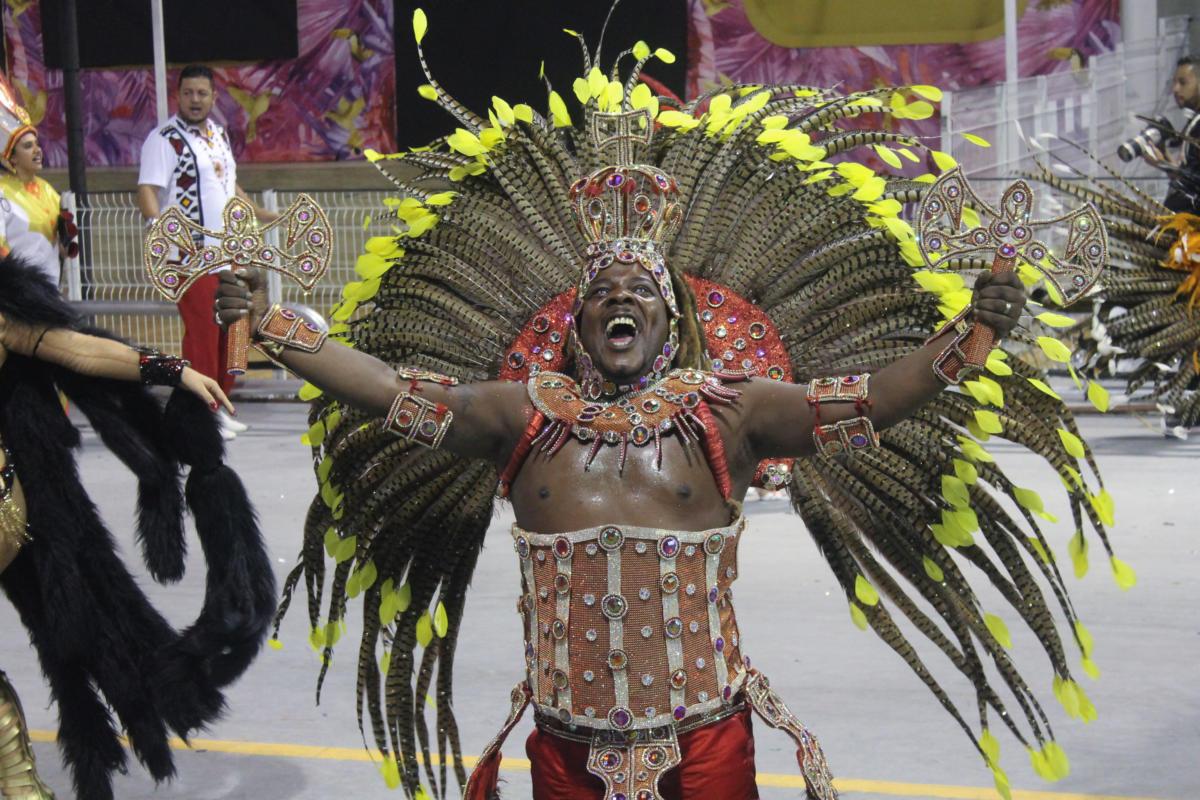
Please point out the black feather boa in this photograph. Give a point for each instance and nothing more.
(101, 643)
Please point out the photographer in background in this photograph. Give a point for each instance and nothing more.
(1183, 193)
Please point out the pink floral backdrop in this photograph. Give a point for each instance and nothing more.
(336, 98)
(1053, 35)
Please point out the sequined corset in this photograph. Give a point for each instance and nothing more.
(630, 628)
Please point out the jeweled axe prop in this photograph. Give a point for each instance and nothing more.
(176, 257)
(1008, 236)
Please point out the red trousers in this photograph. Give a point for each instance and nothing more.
(716, 763)
(203, 339)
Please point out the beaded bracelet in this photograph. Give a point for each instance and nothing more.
(157, 369)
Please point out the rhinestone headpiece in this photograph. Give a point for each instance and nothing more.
(627, 213)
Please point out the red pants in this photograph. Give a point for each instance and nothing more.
(203, 339)
(716, 763)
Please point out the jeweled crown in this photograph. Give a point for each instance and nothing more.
(635, 201)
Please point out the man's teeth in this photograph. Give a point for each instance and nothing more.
(615, 321)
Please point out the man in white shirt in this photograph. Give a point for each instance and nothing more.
(188, 163)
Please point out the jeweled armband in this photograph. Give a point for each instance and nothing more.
(418, 420)
(951, 365)
(282, 328)
(846, 389)
(157, 369)
(847, 436)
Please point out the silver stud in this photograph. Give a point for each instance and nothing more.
(591, 549)
(647, 631)
(588, 711)
(591, 634)
(640, 547)
(690, 550)
(650, 710)
(690, 589)
(700, 662)
(702, 697)
(647, 679)
(541, 555)
(589, 599)
(589, 676)
(730, 572)
(644, 593)
(694, 627)
(543, 593)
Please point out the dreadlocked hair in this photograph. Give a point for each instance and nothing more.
(692, 352)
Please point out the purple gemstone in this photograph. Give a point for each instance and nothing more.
(170, 280)
(746, 661)
(733, 319)
(858, 440)
(537, 348)
(935, 243)
(172, 227)
(238, 213)
(712, 595)
(1007, 250)
(719, 644)
(668, 547)
(157, 249)
(615, 179)
(952, 191)
(247, 242)
(306, 266)
(208, 255)
(316, 237)
(679, 713)
(304, 216)
(727, 692)
(760, 353)
(667, 350)
(618, 796)
(715, 298)
(621, 717)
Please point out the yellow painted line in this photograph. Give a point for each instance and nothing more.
(929, 791)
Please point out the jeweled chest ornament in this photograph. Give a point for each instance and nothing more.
(175, 258)
(1010, 238)
(638, 418)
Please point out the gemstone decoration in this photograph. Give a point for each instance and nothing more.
(617, 659)
(563, 547)
(611, 538)
(613, 606)
(668, 546)
(673, 627)
(714, 544)
(620, 718)
(669, 583)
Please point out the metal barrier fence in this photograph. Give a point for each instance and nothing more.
(1093, 108)
(110, 282)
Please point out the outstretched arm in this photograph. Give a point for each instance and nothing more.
(778, 421)
(106, 358)
(487, 418)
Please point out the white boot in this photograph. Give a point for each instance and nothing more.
(232, 424)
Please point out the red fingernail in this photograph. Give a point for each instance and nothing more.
(213, 405)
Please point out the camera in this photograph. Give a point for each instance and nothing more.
(1155, 133)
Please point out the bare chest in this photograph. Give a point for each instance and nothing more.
(564, 492)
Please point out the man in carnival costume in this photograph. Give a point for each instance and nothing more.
(602, 323)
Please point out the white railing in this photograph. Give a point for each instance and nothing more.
(1092, 107)
(109, 276)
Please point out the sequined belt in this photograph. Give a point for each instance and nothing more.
(631, 763)
(13, 530)
(630, 628)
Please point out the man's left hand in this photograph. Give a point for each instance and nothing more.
(999, 301)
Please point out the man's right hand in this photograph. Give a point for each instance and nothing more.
(239, 294)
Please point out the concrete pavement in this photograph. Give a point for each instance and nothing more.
(884, 734)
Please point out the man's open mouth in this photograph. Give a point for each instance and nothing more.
(620, 332)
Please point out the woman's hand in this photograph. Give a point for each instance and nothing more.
(206, 389)
(999, 301)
